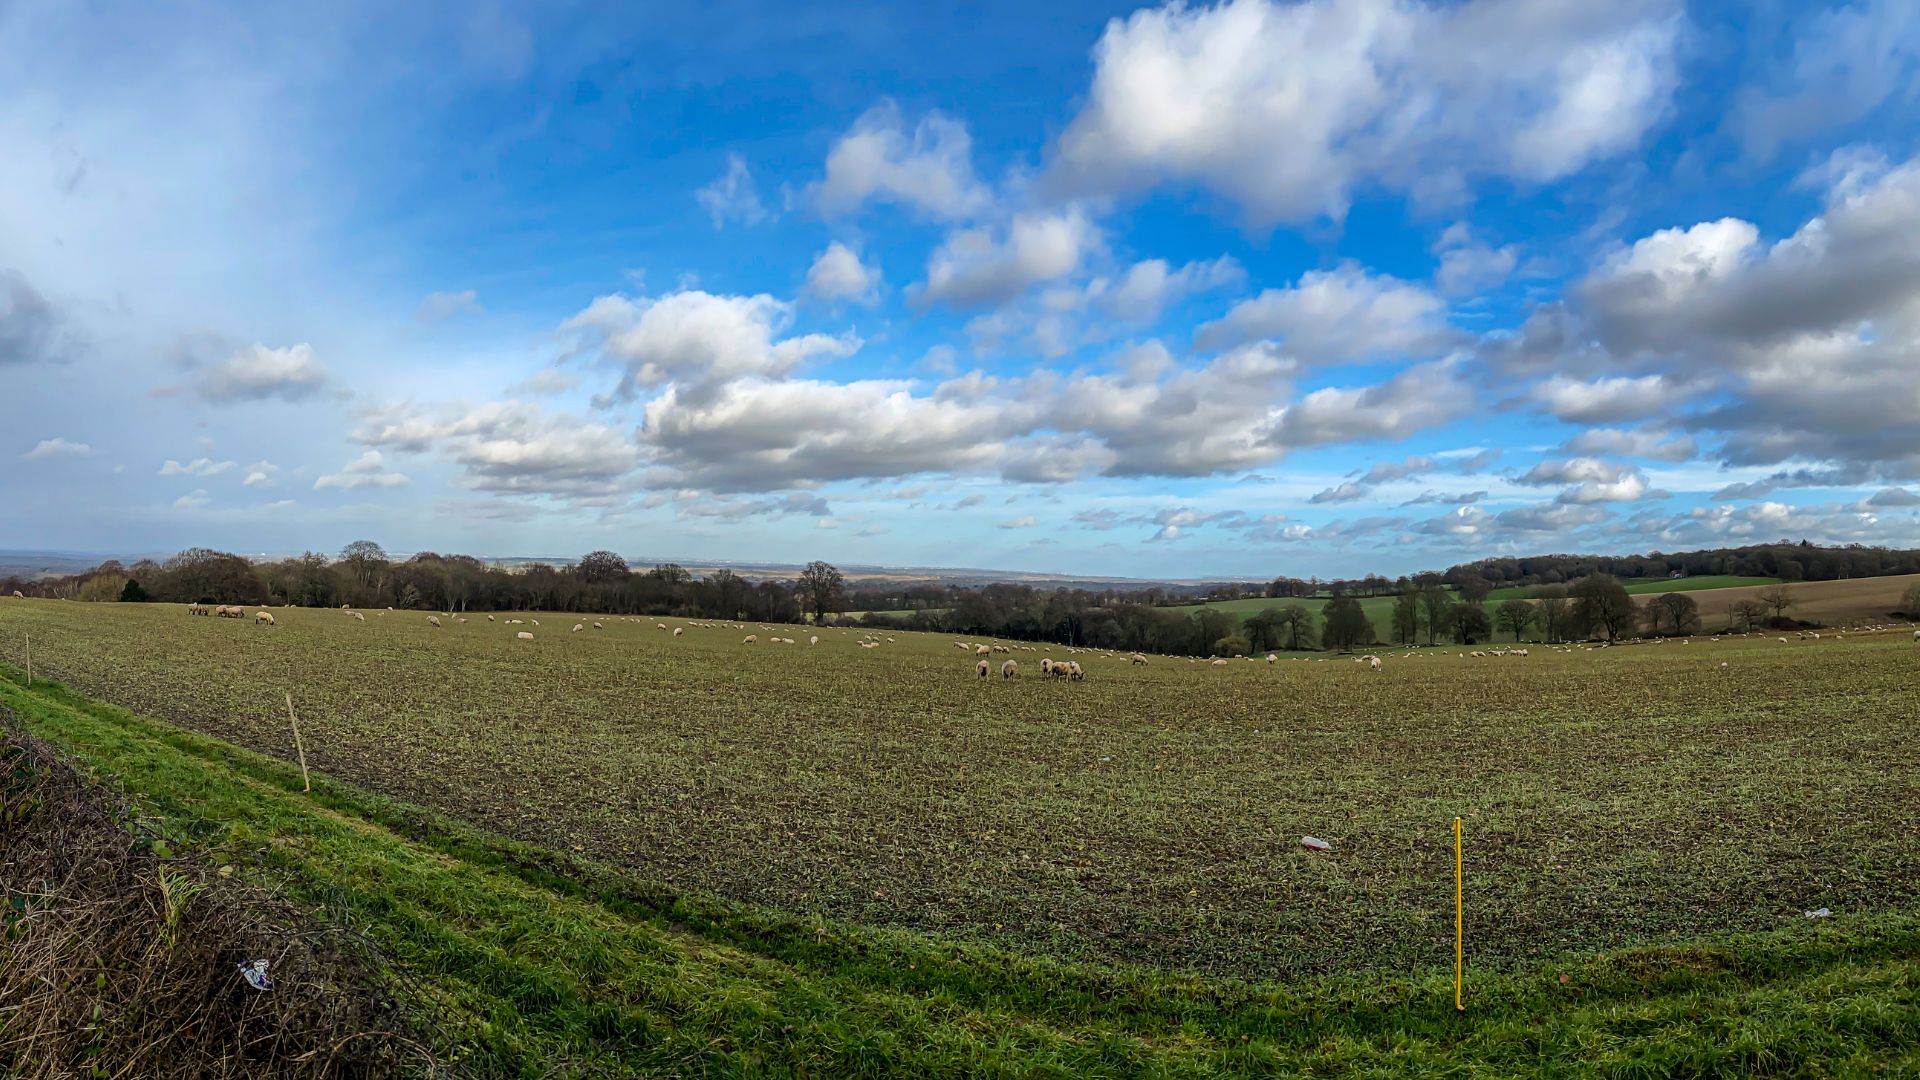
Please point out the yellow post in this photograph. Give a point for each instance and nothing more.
(1459, 919)
(306, 784)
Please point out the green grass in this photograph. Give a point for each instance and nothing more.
(1698, 583)
(1379, 609)
(529, 962)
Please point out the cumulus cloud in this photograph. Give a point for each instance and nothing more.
(1383, 472)
(1287, 108)
(193, 500)
(441, 306)
(1467, 265)
(698, 340)
(1341, 315)
(260, 474)
(49, 449)
(838, 274)
(1642, 442)
(928, 169)
(732, 196)
(1610, 400)
(1592, 480)
(510, 447)
(253, 373)
(196, 467)
(1150, 286)
(977, 267)
(1026, 522)
(1421, 397)
(369, 470)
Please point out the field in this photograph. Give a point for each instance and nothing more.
(1833, 603)
(1147, 815)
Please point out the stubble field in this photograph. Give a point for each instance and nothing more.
(1147, 815)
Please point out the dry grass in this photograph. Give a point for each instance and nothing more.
(1831, 603)
(122, 960)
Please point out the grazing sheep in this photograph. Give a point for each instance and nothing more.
(535, 622)
(1476, 653)
(1373, 663)
(1523, 652)
(659, 626)
(263, 618)
(750, 639)
(1046, 665)
(489, 618)
(357, 617)
(982, 668)
(1272, 659)
(433, 620)
(1219, 663)
(192, 609)
(1138, 659)
(524, 636)
(597, 626)
(1074, 672)
(813, 639)
(676, 631)
(576, 628)
(1009, 669)
(17, 595)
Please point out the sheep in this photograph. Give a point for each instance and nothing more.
(357, 617)
(1272, 659)
(524, 636)
(1009, 669)
(434, 621)
(659, 626)
(1373, 663)
(1219, 663)
(1916, 633)
(1138, 659)
(812, 639)
(196, 609)
(1074, 672)
(1523, 652)
(17, 595)
(576, 628)
(1046, 665)
(263, 618)
(750, 639)
(677, 631)
(489, 618)
(535, 622)
(597, 626)
(982, 667)
(1476, 653)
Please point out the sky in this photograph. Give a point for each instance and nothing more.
(1318, 288)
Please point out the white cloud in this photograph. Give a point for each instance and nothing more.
(697, 339)
(369, 470)
(1847, 60)
(1592, 480)
(260, 474)
(48, 449)
(978, 267)
(732, 196)
(1637, 442)
(509, 447)
(196, 467)
(440, 306)
(929, 169)
(1609, 400)
(257, 373)
(193, 500)
(1420, 397)
(1288, 108)
(1341, 315)
(1026, 522)
(1151, 285)
(838, 274)
(1468, 265)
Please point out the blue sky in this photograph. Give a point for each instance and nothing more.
(1326, 287)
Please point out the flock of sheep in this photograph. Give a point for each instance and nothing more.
(1009, 668)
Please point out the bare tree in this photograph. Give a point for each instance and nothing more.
(1514, 616)
(820, 588)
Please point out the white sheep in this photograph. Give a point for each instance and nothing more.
(750, 639)
(524, 636)
(982, 668)
(1009, 669)
(659, 626)
(1373, 662)
(813, 639)
(489, 618)
(1074, 672)
(535, 622)
(1272, 659)
(1219, 663)
(576, 628)
(359, 617)
(677, 631)
(433, 620)
(1046, 665)
(597, 626)
(263, 618)
(1138, 659)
